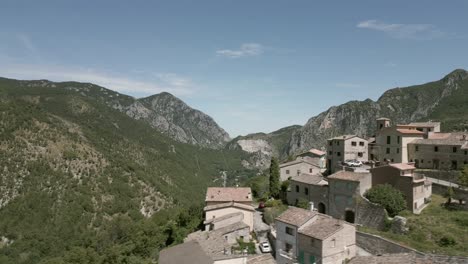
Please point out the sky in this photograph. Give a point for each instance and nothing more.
(254, 66)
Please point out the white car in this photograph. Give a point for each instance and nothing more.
(265, 247)
(353, 163)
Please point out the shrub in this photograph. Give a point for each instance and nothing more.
(390, 198)
(303, 203)
(446, 241)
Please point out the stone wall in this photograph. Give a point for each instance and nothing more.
(446, 175)
(442, 190)
(378, 245)
(370, 214)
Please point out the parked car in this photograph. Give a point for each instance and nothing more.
(265, 247)
(357, 163)
(348, 163)
(353, 163)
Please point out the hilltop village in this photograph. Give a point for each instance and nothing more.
(329, 203)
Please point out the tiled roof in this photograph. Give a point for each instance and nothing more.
(348, 175)
(311, 161)
(402, 166)
(408, 258)
(228, 194)
(454, 139)
(317, 152)
(224, 217)
(410, 131)
(424, 124)
(189, 252)
(343, 137)
(296, 216)
(316, 179)
(322, 228)
(261, 259)
(229, 204)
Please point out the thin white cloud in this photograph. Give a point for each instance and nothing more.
(403, 31)
(348, 85)
(245, 50)
(26, 41)
(171, 83)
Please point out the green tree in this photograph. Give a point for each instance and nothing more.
(303, 203)
(390, 198)
(463, 177)
(274, 178)
(449, 195)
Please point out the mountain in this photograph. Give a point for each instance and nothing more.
(164, 112)
(263, 146)
(80, 179)
(444, 100)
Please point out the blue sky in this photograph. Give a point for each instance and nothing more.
(251, 65)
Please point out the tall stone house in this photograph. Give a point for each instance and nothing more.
(311, 188)
(304, 236)
(347, 147)
(319, 156)
(414, 186)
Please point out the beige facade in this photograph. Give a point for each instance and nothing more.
(299, 166)
(391, 144)
(304, 236)
(415, 187)
(221, 210)
(444, 151)
(321, 156)
(347, 147)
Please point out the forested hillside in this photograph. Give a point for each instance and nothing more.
(81, 182)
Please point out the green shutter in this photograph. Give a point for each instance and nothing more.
(312, 259)
(301, 257)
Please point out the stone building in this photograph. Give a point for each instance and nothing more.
(347, 147)
(223, 202)
(447, 151)
(299, 166)
(415, 187)
(305, 236)
(318, 155)
(313, 188)
(345, 189)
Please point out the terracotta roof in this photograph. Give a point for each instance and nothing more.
(316, 179)
(228, 194)
(189, 252)
(296, 216)
(317, 152)
(322, 228)
(402, 166)
(410, 131)
(229, 204)
(348, 175)
(453, 139)
(311, 161)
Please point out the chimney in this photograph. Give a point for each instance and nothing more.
(311, 206)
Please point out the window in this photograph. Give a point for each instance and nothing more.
(306, 191)
(289, 231)
(454, 164)
(287, 171)
(297, 188)
(466, 152)
(436, 149)
(353, 143)
(359, 154)
(388, 150)
(361, 143)
(287, 247)
(312, 242)
(388, 139)
(330, 143)
(338, 153)
(337, 143)
(398, 150)
(330, 152)
(454, 149)
(310, 170)
(392, 160)
(333, 243)
(416, 148)
(398, 139)
(422, 161)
